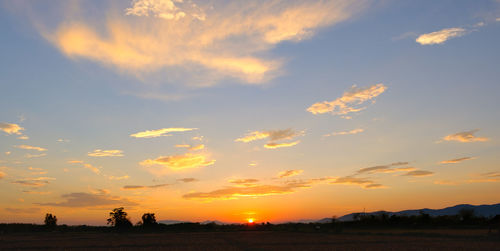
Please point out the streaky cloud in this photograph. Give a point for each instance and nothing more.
(160, 132)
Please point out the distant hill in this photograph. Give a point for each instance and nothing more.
(171, 222)
(481, 210)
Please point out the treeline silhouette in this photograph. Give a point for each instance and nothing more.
(119, 222)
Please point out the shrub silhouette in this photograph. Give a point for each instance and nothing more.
(466, 214)
(50, 220)
(149, 220)
(118, 219)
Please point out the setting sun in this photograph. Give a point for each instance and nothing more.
(251, 220)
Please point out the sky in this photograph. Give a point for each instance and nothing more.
(230, 110)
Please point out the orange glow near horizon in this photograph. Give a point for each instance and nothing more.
(250, 220)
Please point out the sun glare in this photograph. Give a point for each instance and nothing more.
(250, 220)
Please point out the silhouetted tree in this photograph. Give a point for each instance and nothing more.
(149, 220)
(466, 214)
(50, 220)
(118, 218)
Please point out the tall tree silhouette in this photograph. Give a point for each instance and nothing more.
(149, 220)
(118, 218)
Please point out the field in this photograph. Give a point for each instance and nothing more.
(257, 240)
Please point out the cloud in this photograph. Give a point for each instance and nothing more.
(228, 41)
(390, 168)
(166, 9)
(29, 156)
(179, 162)
(106, 153)
(486, 177)
(187, 180)
(289, 173)
(63, 140)
(419, 173)
(75, 161)
(273, 145)
(273, 135)
(36, 192)
(352, 101)
(354, 131)
(160, 132)
(8, 153)
(89, 200)
(243, 191)
(439, 37)
(454, 161)
(197, 147)
(27, 147)
(23, 137)
(92, 168)
(34, 182)
(351, 180)
(31, 210)
(10, 128)
(183, 146)
(125, 177)
(2, 174)
(445, 182)
(134, 187)
(244, 182)
(465, 137)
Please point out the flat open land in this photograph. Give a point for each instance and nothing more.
(257, 240)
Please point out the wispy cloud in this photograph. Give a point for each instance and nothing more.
(274, 145)
(28, 147)
(486, 177)
(29, 156)
(34, 182)
(243, 191)
(106, 153)
(390, 168)
(363, 182)
(454, 161)
(273, 136)
(179, 162)
(160, 132)
(74, 200)
(419, 173)
(135, 187)
(124, 177)
(289, 173)
(465, 137)
(353, 131)
(187, 180)
(23, 137)
(30, 210)
(11, 128)
(244, 182)
(441, 36)
(446, 182)
(352, 101)
(92, 168)
(228, 41)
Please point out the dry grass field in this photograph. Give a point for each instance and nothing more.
(257, 240)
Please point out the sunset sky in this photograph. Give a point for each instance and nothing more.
(229, 110)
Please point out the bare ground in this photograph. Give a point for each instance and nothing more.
(256, 240)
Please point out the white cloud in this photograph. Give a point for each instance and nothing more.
(179, 162)
(352, 101)
(439, 37)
